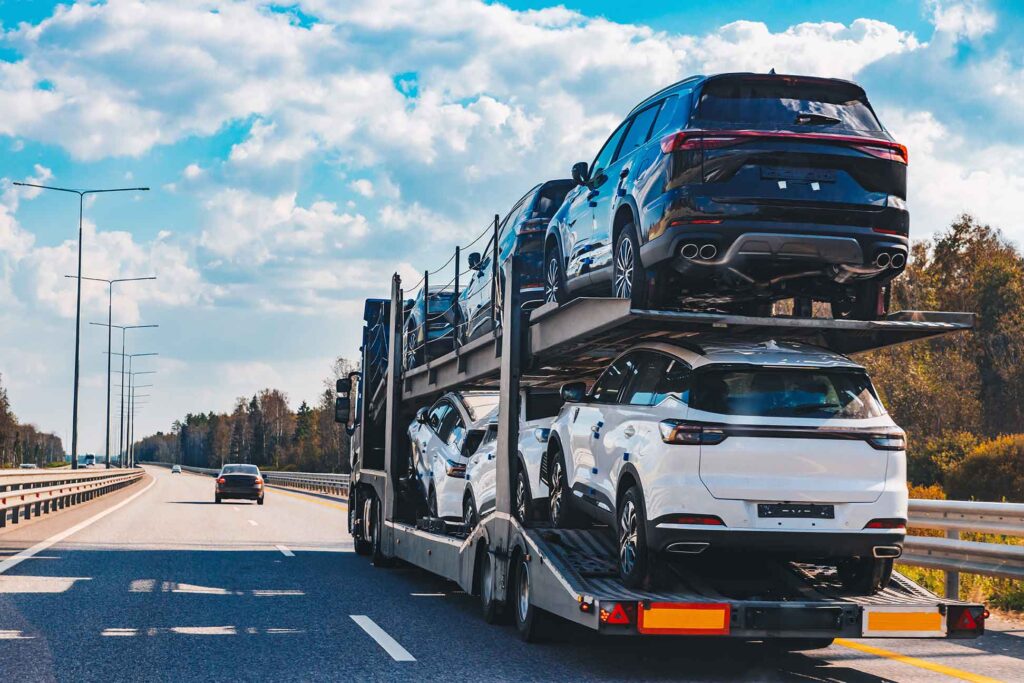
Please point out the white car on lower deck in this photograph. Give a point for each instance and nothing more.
(779, 448)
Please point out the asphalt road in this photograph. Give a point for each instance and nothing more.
(169, 586)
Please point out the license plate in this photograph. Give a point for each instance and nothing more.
(796, 511)
(797, 175)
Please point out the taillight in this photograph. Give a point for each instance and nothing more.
(704, 520)
(890, 151)
(886, 523)
(221, 480)
(258, 482)
(454, 469)
(693, 140)
(895, 441)
(684, 433)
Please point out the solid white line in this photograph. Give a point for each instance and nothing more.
(284, 551)
(253, 522)
(57, 538)
(397, 652)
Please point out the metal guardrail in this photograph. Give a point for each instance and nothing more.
(953, 555)
(331, 484)
(28, 493)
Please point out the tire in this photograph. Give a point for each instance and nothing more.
(798, 644)
(528, 618)
(361, 545)
(259, 501)
(216, 499)
(411, 356)
(560, 510)
(554, 277)
(490, 606)
(871, 302)
(865, 575)
(377, 555)
(631, 531)
(629, 279)
(522, 501)
(469, 515)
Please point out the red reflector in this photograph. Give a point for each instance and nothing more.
(618, 615)
(709, 520)
(696, 221)
(966, 622)
(885, 231)
(886, 524)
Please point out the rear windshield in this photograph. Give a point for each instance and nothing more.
(771, 105)
(783, 392)
(550, 199)
(480, 405)
(240, 469)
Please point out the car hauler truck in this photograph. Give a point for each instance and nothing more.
(529, 572)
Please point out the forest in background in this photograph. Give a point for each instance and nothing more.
(23, 443)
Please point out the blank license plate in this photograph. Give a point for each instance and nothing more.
(796, 510)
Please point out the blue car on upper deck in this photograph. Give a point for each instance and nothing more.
(733, 191)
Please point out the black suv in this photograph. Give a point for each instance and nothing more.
(730, 192)
(521, 232)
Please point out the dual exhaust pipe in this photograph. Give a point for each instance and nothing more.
(694, 251)
(887, 260)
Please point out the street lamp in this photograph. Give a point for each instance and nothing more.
(78, 301)
(131, 357)
(120, 430)
(110, 308)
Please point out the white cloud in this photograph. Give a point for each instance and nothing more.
(362, 186)
(192, 171)
(968, 19)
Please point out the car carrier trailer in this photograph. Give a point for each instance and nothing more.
(529, 571)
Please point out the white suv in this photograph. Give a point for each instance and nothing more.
(443, 437)
(780, 448)
(537, 411)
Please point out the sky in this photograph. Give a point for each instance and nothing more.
(298, 153)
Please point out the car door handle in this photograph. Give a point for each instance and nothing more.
(629, 431)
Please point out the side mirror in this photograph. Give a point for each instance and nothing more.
(581, 173)
(343, 385)
(573, 392)
(341, 406)
(421, 416)
(474, 260)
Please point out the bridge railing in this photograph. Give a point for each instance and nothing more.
(28, 493)
(331, 484)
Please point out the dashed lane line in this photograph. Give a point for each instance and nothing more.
(285, 551)
(390, 645)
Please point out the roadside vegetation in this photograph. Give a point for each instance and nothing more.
(23, 443)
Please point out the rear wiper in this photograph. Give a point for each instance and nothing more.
(806, 118)
(812, 407)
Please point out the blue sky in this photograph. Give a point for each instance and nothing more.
(300, 152)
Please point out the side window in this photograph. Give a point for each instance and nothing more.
(437, 415)
(674, 382)
(614, 380)
(639, 131)
(604, 157)
(650, 373)
(451, 421)
(665, 115)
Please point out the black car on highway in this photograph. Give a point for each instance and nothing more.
(522, 233)
(239, 481)
(732, 191)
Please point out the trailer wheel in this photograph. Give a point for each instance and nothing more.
(865, 575)
(490, 606)
(798, 644)
(529, 619)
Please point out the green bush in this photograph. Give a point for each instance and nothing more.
(992, 471)
(932, 460)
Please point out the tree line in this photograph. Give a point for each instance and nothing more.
(262, 430)
(23, 443)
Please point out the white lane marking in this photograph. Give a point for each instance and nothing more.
(390, 645)
(12, 562)
(284, 551)
(253, 522)
(14, 635)
(236, 509)
(427, 595)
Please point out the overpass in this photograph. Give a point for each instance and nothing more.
(153, 581)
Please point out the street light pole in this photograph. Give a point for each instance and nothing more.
(131, 374)
(78, 301)
(110, 309)
(124, 329)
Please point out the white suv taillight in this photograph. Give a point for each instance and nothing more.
(894, 441)
(684, 433)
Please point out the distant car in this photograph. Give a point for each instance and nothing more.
(429, 333)
(29, 466)
(520, 233)
(240, 481)
(442, 438)
(529, 492)
(176, 469)
(734, 191)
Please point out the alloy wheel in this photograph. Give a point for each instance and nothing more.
(555, 500)
(627, 537)
(521, 498)
(551, 290)
(624, 270)
(524, 590)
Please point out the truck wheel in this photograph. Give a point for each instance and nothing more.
(529, 619)
(629, 279)
(490, 606)
(798, 644)
(562, 514)
(865, 575)
(378, 557)
(634, 563)
(216, 499)
(554, 278)
(360, 544)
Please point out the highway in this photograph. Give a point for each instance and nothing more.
(167, 586)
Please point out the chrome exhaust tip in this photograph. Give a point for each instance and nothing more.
(882, 260)
(689, 251)
(887, 551)
(708, 251)
(688, 547)
(897, 260)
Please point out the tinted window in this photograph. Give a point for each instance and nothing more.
(451, 422)
(240, 469)
(665, 115)
(775, 392)
(675, 382)
(609, 388)
(438, 413)
(549, 199)
(639, 131)
(650, 371)
(604, 157)
(773, 104)
(542, 405)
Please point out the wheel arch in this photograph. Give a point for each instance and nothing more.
(625, 214)
(628, 477)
